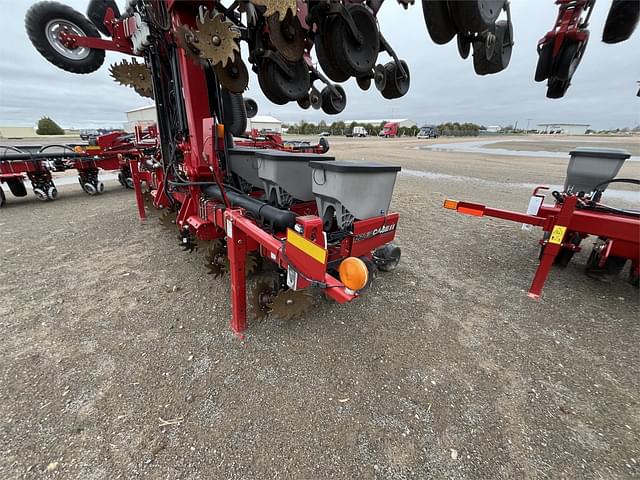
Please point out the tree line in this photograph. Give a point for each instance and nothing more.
(342, 128)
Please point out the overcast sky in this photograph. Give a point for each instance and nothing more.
(443, 86)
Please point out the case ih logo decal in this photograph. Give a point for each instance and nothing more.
(373, 233)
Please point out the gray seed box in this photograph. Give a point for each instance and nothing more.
(244, 163)
(355, 190)
(588, 167)
(287, 176)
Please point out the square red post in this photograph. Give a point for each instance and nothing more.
(237, 252)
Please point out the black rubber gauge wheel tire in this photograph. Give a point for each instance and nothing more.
(567, 61)
(97, 9)
(475, 16)
(438, 21)
(326, 61)
(333, 104)
(45, 20)
(272, 94)
(354, 58)
(288, 88)
(622, 20)
(545, 61)
(501, 54)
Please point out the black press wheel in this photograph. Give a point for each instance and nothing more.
(304, 102)
(475, 16)
(333, 103)
(464, 46)
(46, 21)
(356, 58)
(501, 56)
(96, 11)
(396, 85)
(438, 21)
(364, 82)
(545, 61)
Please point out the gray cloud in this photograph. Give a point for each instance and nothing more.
(443, 86)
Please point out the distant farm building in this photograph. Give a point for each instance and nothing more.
(264, 122)
(494, 129)
(142, 116)
(402, 122)
(564, 128)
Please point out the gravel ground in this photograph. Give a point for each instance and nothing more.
(116, 360)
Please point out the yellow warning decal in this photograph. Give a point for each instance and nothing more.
(307, 246)
(557, 234)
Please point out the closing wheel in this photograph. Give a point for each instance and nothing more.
(357, 56)
(89, 188)
(48, 22)
(501, 57)
(333, 103)
(438, 21)
(128, 182)
(100, 187)
(17, 187)
(545, 61)
(475, 16)
(364, 83)
(52, 192)
(40, 194)
(97, 9)
(328, 64)
(387, 258)
(396, 84)
(380, 77)
(251, 107)
(304, 102)
(315, 99)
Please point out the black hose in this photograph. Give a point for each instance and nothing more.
(617, 180)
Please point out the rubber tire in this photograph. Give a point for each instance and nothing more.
(562, 65)
(545, 61)
(36, 20)
(395, 85)
(342, 42)
(557, 88)
(327, 64)
(364, 83)
(501, 56)
(17, 187)
(622, 20)
(331, 105)
(464, 46)
(271, 95)
(3, 198)
(392, 254)
(438, 21)
(277, 81)
(251, 107)
(235, 116)
(96, 11)
(475, 16)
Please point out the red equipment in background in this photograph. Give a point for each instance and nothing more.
(572, 219)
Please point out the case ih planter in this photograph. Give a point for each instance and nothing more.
(577, 214)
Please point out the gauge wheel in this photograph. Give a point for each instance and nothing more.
(267, 87)
(545, 61)
(333, 103)
(567, 61)
(356, 58)
(501, 56)
(328, 64)
(475, 16)
(45, 21)
(439, 24)
(557, 88)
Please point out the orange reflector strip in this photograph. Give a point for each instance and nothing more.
(220, 132)
(471, 211)
(450, 204)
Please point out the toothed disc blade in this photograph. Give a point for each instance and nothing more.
(135, 75)
(187, 40)
(290, 304)
(254, 263)
(287, 36)
(234, 77)
(168, 219)
(217, 39)
(216, 259)
(277, 6)
(262, 294)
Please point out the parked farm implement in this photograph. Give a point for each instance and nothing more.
(297, 215)
(578, 213)
(111, 152)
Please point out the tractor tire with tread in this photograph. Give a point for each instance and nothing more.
(43, 15)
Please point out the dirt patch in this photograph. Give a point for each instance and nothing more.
(116, 360)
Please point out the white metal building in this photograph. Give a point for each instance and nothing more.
(143, 116)
(264, 122)
(564, 128)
